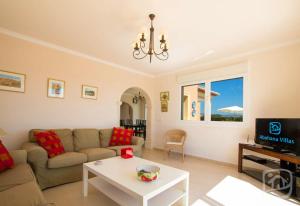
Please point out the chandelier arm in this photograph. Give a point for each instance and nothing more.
(142, 44)
(136, 54)
(142, 48)
(162, 45)
(162, 56)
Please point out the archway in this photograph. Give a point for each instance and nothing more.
(137, 99)
(126, 111)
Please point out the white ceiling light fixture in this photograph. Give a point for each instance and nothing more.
(140, 52)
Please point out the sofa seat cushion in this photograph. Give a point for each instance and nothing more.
(94, 154)
(86, 138)
(20, 174)
(66, 160)
(27, 194)
(117, 149)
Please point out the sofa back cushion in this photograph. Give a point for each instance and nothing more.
(65, 136)
(105, 135)
(86, 138)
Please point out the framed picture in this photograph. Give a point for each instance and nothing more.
(56, 88)
(10, 81)
(89, 92)
(164, 106)
(164, 96)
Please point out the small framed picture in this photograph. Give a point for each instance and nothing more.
(164, 96)
(10, 81)
(164, 106)
(89, 92)
(56, 88)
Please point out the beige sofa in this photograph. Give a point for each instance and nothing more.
(81, 145)
(18, 186)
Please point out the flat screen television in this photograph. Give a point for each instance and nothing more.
(279, 134)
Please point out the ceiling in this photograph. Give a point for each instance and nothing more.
(106, 29)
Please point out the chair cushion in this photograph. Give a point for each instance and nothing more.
(86, 138)
(174, 143)
(118, 148)
(6, 161)
(65, 136)
(50, 142)
(20, 174)
(121, 136)
(98, 153)
(67, 159)
(105, 135)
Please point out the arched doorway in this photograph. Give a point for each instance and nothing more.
(135, 112)
(126, 112)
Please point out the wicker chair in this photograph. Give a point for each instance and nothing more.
(175, 140)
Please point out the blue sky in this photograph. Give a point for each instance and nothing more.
(231, 94)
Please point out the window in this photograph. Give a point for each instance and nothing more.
(213, 100)
(193, 102)
(227, 104)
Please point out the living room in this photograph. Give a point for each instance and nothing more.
(228, 67)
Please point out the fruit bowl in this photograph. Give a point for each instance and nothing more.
(147, 173)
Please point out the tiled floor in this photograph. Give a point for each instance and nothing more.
(204, 175)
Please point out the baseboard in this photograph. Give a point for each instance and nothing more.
(202, 158)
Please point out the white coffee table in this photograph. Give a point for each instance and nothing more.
(117, 179)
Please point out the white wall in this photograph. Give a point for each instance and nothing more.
(273, 91)
(20, 112)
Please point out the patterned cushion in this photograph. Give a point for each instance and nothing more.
(50, 142)
(6, 161)
(121, 136)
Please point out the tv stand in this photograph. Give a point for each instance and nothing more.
(284, 161)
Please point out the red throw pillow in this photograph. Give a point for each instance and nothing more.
(121, 136)
(6, 161)
(50, 142)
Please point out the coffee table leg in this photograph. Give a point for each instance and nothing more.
(85, 181)
(143, 202)
(186, 190)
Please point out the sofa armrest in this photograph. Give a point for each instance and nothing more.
(19, 156)
(36, 155)
(137, 141)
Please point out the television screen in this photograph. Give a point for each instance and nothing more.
(280, 134)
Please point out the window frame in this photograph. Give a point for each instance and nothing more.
(207, 114)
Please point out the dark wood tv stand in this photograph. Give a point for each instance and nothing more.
(285, 161)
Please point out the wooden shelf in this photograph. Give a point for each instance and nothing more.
(268, 163)
(168, 197)
(285, 161)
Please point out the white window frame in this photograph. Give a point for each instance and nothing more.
(207, 116)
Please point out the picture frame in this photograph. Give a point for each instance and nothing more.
(165, 96)
(164, 106)
(56, 88)
(12, 81)
(89, 92)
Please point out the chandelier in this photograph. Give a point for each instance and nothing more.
(140, 51)
(137, 98)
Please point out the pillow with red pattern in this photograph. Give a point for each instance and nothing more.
(121, 136)
(50, 141)
(6, 161)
